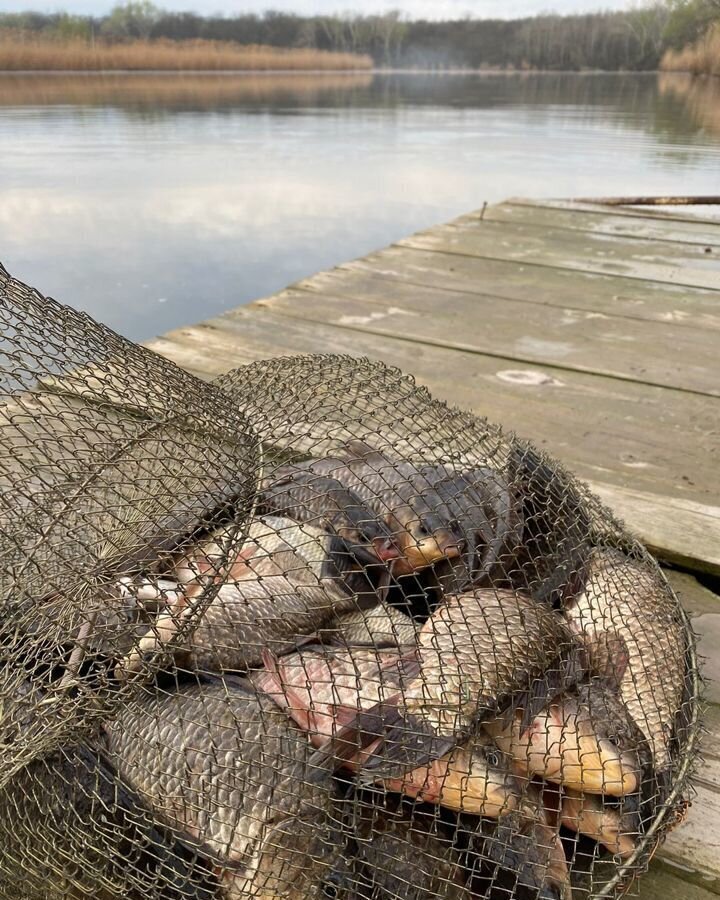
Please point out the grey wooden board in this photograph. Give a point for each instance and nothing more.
(597, 434)
(662, 883)
(673, 216)
(561, 248)
(569, 289)
(603, 222)
(648, 352)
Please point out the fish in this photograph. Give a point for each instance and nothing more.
(221, 763)
(584, 740)
(414, 518)
(382, 626)
(617, 827)
(70, 828)
(484, 512)
(480, 654)
(520, 856)
(275, 585)
(628, 618)
(550, 560)
(328, 691)
(325, 502)
(403, 854)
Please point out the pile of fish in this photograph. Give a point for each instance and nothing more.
(306, 633)
(412, 681)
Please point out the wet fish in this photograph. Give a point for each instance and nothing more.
(335, 694)
(325, 502)
(551, 558)
(404, 855)
(479, 654)
(225, 766)
(275, 585)
(520, 856)
(629, 621)
(69, 828)
(424, 534)
(585, 740)
(382, 626)
(617, 827)
(483, 511)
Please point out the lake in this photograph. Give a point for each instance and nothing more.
(153, 201)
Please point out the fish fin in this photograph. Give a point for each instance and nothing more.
(406, 741)
(408, 665)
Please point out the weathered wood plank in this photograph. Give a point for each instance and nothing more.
(560, 411)
(245, 334)
(684, 265)
(604, 294)
(702, 215)
(666, 882)
(602, 220)
(648, 352)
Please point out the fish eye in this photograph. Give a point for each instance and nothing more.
(331, 887)
(493, 758)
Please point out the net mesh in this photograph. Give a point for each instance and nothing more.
(309, 633)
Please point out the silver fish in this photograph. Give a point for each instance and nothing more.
(225, 766)
(479, 654)
(629, 622)
(277, 584)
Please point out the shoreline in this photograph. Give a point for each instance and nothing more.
(342, 71)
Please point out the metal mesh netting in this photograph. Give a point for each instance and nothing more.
(308, 633)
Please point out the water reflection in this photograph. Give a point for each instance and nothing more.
(699, 97)
(172, 91)
(156, 200)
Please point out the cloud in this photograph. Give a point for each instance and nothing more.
(431, 9)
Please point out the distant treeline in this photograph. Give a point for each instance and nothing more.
(636, 39)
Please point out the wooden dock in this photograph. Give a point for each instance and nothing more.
(594, 332)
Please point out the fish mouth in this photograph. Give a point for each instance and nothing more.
(425, 551)
(386, 549)
(597, 766)
(588, 815)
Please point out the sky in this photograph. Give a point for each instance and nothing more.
(431, 9)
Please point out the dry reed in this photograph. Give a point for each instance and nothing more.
(700, 58)
(19, 52)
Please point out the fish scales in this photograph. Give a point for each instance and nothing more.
(626, 616)
(480, 649)
(71, 830)
(227, 767)
(276, 587)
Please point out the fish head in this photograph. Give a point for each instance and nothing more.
(478, 779)
(425, 535)
(365, 535)
(616, 824)
(587, 741)
(609, 740)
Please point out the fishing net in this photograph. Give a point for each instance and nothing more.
(308, 633)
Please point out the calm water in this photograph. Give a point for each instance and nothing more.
(154, 201)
